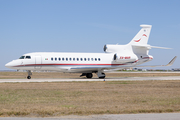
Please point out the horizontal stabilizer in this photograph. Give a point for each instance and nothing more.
(149, 46)
(160, 47)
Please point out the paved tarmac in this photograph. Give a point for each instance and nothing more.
(93, 79)
(151, 116)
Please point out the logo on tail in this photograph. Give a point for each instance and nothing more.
(140, 38)
(144, 35)
(137, 40)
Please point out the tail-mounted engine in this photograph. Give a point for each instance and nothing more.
(111, 48)
(124, 58)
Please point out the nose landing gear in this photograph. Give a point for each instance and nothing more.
(28, 77)
(29, 74)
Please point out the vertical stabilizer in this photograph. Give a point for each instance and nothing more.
(142, 36)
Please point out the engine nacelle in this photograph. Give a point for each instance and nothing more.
(112, 48)
(125, 58)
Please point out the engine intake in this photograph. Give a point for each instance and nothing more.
(111, 48)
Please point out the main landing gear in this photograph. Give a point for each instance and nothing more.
(101, 75)
(29, 74)
(90, 75)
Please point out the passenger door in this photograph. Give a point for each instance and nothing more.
(38, 62)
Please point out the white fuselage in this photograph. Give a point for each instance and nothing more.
(72, 62)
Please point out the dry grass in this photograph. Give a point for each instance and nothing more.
(85, 98)
(22, 75)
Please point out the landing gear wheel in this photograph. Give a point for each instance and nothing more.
(28, 77)
(89, 75)
(102, 77)
(29, 74)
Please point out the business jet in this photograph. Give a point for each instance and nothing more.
(116, 57)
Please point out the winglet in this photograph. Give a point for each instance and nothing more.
(172, 61)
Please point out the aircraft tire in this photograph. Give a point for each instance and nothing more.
(102, 77)
(28, 77)
(89, 75)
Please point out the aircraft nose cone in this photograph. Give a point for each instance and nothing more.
(8, 65)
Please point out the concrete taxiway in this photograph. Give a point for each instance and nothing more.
(93, 79)
(151, 116)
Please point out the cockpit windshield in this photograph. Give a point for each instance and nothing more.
(28, 57)
(22, 57)
(25, 57)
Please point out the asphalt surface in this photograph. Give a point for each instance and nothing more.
(106, 79)
(151, 116)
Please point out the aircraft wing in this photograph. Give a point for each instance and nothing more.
(91, 69)
(169, 64)
(95, 69)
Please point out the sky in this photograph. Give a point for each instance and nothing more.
(86, 26)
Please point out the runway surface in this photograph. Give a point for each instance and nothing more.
(151, 116)
(93, 79)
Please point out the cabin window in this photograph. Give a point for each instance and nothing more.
(95, 59)
(77, 59)
(63, 59)
(52, 59)
(74, 59)
(70, 59)
(88, 59)
(66, 59)
(81, 59)
(59, 59)
(84, 59)
(28, 57)
(92, 59)
(22, 57)
(55, 59)
(99, 59)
